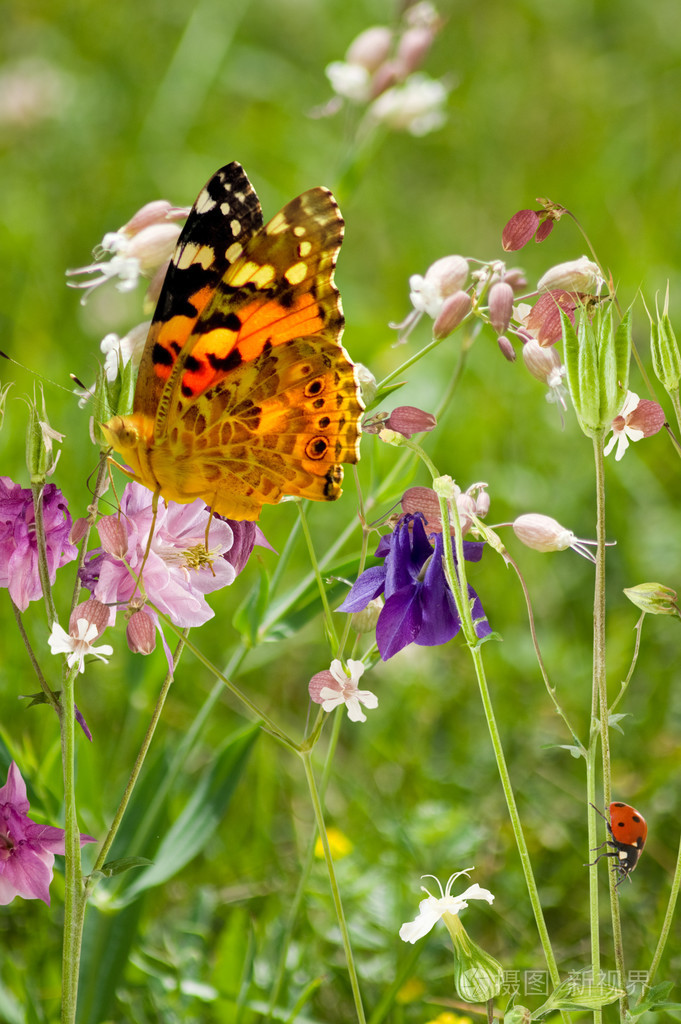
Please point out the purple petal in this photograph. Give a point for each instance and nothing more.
(399, 622)
(367, 586)
(482, 628)
(473, 549)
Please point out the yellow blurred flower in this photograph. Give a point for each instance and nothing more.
(339, 844)
(412, 989)
(447, 1017)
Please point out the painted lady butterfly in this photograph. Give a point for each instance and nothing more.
(244, 392)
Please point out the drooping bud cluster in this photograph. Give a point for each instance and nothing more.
(528, 224)
(381, 69)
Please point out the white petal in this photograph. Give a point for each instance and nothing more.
(475, 892)
(367, 698)
(430, 912)
(355, 713)
(59, 640)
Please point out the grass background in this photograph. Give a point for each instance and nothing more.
(576, 100)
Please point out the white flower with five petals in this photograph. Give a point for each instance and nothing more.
(77, 647)
(433, 907)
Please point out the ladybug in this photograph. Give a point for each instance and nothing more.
(628, 830)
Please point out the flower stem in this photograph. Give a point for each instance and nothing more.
(74, 895)
(335, 892)
(666, 924)
(331, 629)
(600, 708)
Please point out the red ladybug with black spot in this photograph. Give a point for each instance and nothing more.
(628, 829)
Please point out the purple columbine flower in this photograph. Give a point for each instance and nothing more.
(18, 544)
(419, 606)
(26, 849)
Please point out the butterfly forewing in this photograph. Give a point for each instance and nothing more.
(278, 287)
(226, 210)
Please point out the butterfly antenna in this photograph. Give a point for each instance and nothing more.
(40, 376)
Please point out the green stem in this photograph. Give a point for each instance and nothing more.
(331, 629)
(676, 402)
(296, 903)
(666, 924)
(456, 577)
(335, 892)
(600, 701)
(139, 762)
(74, 894)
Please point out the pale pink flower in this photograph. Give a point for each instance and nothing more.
(334, 687)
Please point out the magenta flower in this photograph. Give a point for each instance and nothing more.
(179, 570)
(27, 849)
(419, 606)
(18, 545)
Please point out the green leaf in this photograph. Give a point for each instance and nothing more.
(572, 995)
(117, 867)
(198, 821)
(655, 1000)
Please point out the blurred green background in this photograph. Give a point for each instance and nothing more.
(104, 107)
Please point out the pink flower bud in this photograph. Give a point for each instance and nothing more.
(371, 47)
(141, 633)
(448, 274)
(78, 530)
(160, 211)
(580, 275)
(516, 278)
(408, 420)
(384, 77)
(413, 48)
(93, 611)
(113, 535)
(520, 229)
(506, 347)
(153, 245)
(543, 363)
(542, 533)
(500, 306)
(454, 311)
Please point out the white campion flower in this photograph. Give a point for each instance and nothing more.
(349, 80)
(79, 646)
(638, 418)
(582, 275)
(333, 687)
(433, 907)
(415, 105)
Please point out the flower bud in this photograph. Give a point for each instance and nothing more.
(520, 229)
(160, 211)
(365, 620)
(597, 361)
(653, 598)
(384, 77)
(113, 535)
(506, 348)
(93, 611)
(367, 383)
(413, 48)
(516, 278)
(665, 352)
(39, 441)
(454, 311)
(448, 274)
(371, 47)
(153, 245)
(543, 363)
(141, 633)
(542, 533)
(580, 275)
(518, 1015)
(408, 420)
(477, 975)
(500, 306)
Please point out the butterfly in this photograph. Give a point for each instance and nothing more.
(245, 393)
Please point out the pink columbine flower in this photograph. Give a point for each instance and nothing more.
(18, 543)
(179, 570)
(334, 687)
(638, 417)
(27, 849)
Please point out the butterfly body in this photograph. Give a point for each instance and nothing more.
(245, 393)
